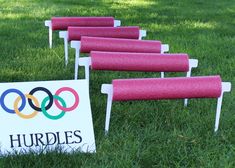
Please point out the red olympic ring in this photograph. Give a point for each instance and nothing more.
(66, 109)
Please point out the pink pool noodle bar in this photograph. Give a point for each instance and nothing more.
(145, 62)
(89, 44)
(62, 23)
(75, 34)
(128, 32)
(148, 62)
(166, 88)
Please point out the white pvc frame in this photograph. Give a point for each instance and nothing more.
(49, 25)
(108, 89)
(77, 45)
(86, 62)
(64, 35)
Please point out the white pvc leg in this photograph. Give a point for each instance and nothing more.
(49, 25)
(64, 35)
(76, 64)
(76, 45)
(185, 102)
(50, 37)
(108, 89)
(226, 87)
(218, 111)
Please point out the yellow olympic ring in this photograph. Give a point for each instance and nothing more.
(23, 115)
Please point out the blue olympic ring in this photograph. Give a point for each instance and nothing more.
(14, 91)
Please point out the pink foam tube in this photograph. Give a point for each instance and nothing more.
(119, 45)
(149, 62)
(62, 23)
(167, 88)
(130, 32)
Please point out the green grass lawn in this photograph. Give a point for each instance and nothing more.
(142, 133)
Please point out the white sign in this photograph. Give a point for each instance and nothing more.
(47, 115)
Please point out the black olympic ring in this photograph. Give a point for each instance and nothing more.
(41, 89)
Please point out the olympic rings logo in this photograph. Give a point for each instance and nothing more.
(34, 104)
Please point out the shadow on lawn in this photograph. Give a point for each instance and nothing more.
(164, 17)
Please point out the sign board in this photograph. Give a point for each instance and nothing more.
(46, 115)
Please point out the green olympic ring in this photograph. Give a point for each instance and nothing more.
(43, 106)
